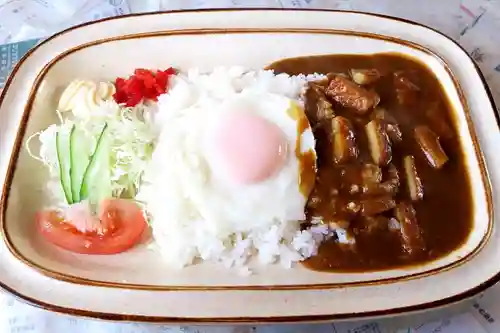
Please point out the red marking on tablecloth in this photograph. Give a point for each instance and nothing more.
(467, 11)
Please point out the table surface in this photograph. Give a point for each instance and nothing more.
(473, 23)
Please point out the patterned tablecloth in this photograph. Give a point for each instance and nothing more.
(475, 24)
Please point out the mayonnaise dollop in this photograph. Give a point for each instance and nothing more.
(82, 96)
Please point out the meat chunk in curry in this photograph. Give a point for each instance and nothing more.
(350, 95)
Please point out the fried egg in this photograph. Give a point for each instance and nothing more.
(256, 149)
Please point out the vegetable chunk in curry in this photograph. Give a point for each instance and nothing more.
(392, 185)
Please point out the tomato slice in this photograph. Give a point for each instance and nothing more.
(124, 225)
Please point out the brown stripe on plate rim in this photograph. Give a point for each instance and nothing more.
(113, 316)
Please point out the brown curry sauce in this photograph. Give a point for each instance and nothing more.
(444, 214)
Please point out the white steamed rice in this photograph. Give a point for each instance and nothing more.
(182, 241)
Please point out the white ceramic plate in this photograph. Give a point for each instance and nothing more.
(135, 285)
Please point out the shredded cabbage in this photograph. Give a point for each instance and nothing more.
(132, 141)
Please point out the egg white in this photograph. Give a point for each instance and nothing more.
(276, 198)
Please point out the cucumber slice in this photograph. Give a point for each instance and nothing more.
(63, 149)
(80, 159)
(96, 184)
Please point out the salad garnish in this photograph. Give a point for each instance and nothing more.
(97, 154)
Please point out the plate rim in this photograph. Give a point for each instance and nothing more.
(300, 318)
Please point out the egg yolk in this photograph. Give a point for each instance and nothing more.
(250, 147)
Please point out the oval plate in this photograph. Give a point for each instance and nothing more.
(134, 285)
